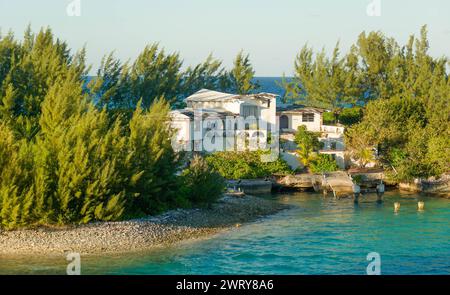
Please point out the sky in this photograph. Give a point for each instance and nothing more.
(271, 31)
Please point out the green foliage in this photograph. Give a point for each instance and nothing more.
(291, 90)
(201, 185)
(155, 73)
(409, 126)
(210, 75)
(308, 147)
(438, 154)
(64, 160)
(242, 75)
(359, 146)
(328, 118)
(245, 165)
(154, 162)
(323, 163)
(410, 134)
(308, 143)
(350, 116)
(325, 82)
(28, 71)
(75, 153)
(86, 168)
(375, 67)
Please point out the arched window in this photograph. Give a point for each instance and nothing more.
(284, 122)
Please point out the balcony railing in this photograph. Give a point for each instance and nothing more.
(332, 129)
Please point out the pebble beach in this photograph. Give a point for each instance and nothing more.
(140, 234)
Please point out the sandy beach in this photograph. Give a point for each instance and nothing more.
(137, 235)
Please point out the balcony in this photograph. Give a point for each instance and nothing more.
(332, 129)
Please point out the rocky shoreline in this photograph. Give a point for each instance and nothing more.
(141, 234)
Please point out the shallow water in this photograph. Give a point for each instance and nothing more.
(317, 236)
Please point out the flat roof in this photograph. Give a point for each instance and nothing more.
(205, 113)
(299, 109)
(206, 95)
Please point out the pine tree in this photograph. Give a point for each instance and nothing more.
(154, 159)
(155, 74)
(325, 82)
(210, 75)
(242, 75)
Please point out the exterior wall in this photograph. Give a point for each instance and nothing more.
(296, 119)
(332, 143)
(183, 135)
(333, 131)
(291, 159)
(310, 126)
(267, 113)
(231, 106)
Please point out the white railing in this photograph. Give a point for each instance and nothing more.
(332, 129)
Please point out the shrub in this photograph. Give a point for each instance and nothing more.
(328, 118)
(323, 163)
(201, 186)
(245, 165)
(350, 116)
(346, 116)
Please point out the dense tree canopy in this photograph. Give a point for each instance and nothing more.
(409, 123)
(405, 123)
(72, 152)
(325, 82)
(157, 74)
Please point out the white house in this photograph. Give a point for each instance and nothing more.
(258, 112)
(332, 137)
(216, 114)
(291, 117)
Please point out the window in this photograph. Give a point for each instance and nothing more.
(249, 110)
(308, 117)
(284, 122)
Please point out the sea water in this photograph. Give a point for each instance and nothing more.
(317, 235)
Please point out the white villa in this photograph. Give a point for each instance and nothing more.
(217, 108)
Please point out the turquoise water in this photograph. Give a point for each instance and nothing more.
(317, 236)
